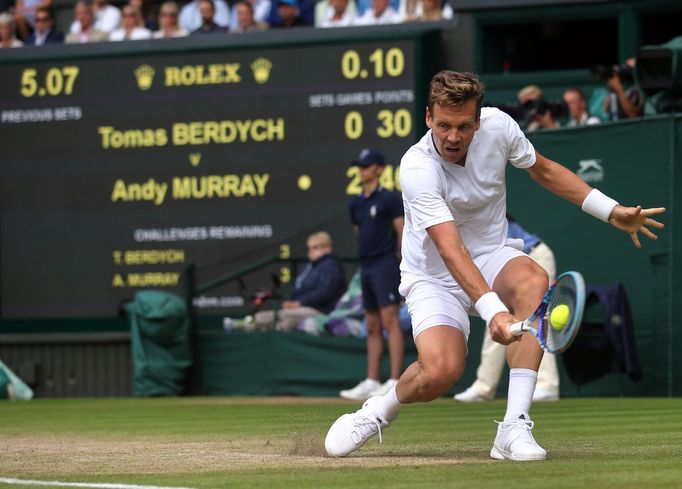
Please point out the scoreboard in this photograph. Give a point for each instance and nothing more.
(121, 166)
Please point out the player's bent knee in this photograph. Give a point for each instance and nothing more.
(437, 379)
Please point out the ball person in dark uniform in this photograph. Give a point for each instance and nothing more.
(377, 216)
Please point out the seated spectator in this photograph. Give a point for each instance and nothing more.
(191, 19)
(365, 5)
(425, 10)
(208, 25)
(246, 21)
(380, 13)
(346, 319)
(150, 22)
(107, 17)
(168, 22)
(24, 15)
(86, 28)
(132, 28)
(339, 13)
(305, 11)
(8, 38)
(290, 15)
(316, 290)
(574, 98)
(45, 32)
(261, 10)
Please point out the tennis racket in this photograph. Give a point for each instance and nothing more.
(568, 292)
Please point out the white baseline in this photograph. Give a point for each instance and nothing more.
(104, 485)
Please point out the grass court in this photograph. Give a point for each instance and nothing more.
(274, 442)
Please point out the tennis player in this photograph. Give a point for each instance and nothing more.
(457, 261)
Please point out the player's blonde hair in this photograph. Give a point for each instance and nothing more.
(453, 88)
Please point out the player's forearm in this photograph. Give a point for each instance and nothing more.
(559, 180)
(466, 274)
(458, 261)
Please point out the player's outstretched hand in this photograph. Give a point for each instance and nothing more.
(499, 328)
(635, 220)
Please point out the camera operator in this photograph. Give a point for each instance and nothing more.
(545, 115)
(624, 99)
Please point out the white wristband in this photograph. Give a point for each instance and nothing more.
(488, 305)
(598, 205)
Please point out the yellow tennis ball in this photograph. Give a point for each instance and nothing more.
(559, 317)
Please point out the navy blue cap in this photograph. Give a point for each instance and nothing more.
(368, 157)
(292, 3)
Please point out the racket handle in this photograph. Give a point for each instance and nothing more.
(517, 329)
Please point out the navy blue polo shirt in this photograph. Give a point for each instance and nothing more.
(374, 216)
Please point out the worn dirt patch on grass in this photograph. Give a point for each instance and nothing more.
(69, 456)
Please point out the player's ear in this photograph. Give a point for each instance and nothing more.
(429, 119)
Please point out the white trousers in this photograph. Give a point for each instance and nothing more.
(287, 319)
(493, 354)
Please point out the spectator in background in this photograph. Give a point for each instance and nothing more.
(208, 25)
(528, 97)
(290, 15)
(86, 29)
(493, 354)
(317, 288)
(365, 5)
(624, 100)
(338, 13)
(191, 18)
(107, 18)
(305, 12)
(168, 22)
(261, 10)
(8, 38)
(132, 28)
(425, 10)
(246, 21)
(45, 32)
(544, 117)
(377, 216)
(24, 15)
(380, 13)
(148, 17)
(574, 98)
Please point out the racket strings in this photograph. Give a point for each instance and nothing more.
(564, 294)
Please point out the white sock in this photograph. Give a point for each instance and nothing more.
(387, 407)
(521, 386)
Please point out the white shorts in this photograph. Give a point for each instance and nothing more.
(431, 304)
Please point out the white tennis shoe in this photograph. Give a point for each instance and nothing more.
(351, 431)
(472, 395)
(361, 392)
(514, 441)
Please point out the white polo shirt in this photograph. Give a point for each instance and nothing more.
(473, 195)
